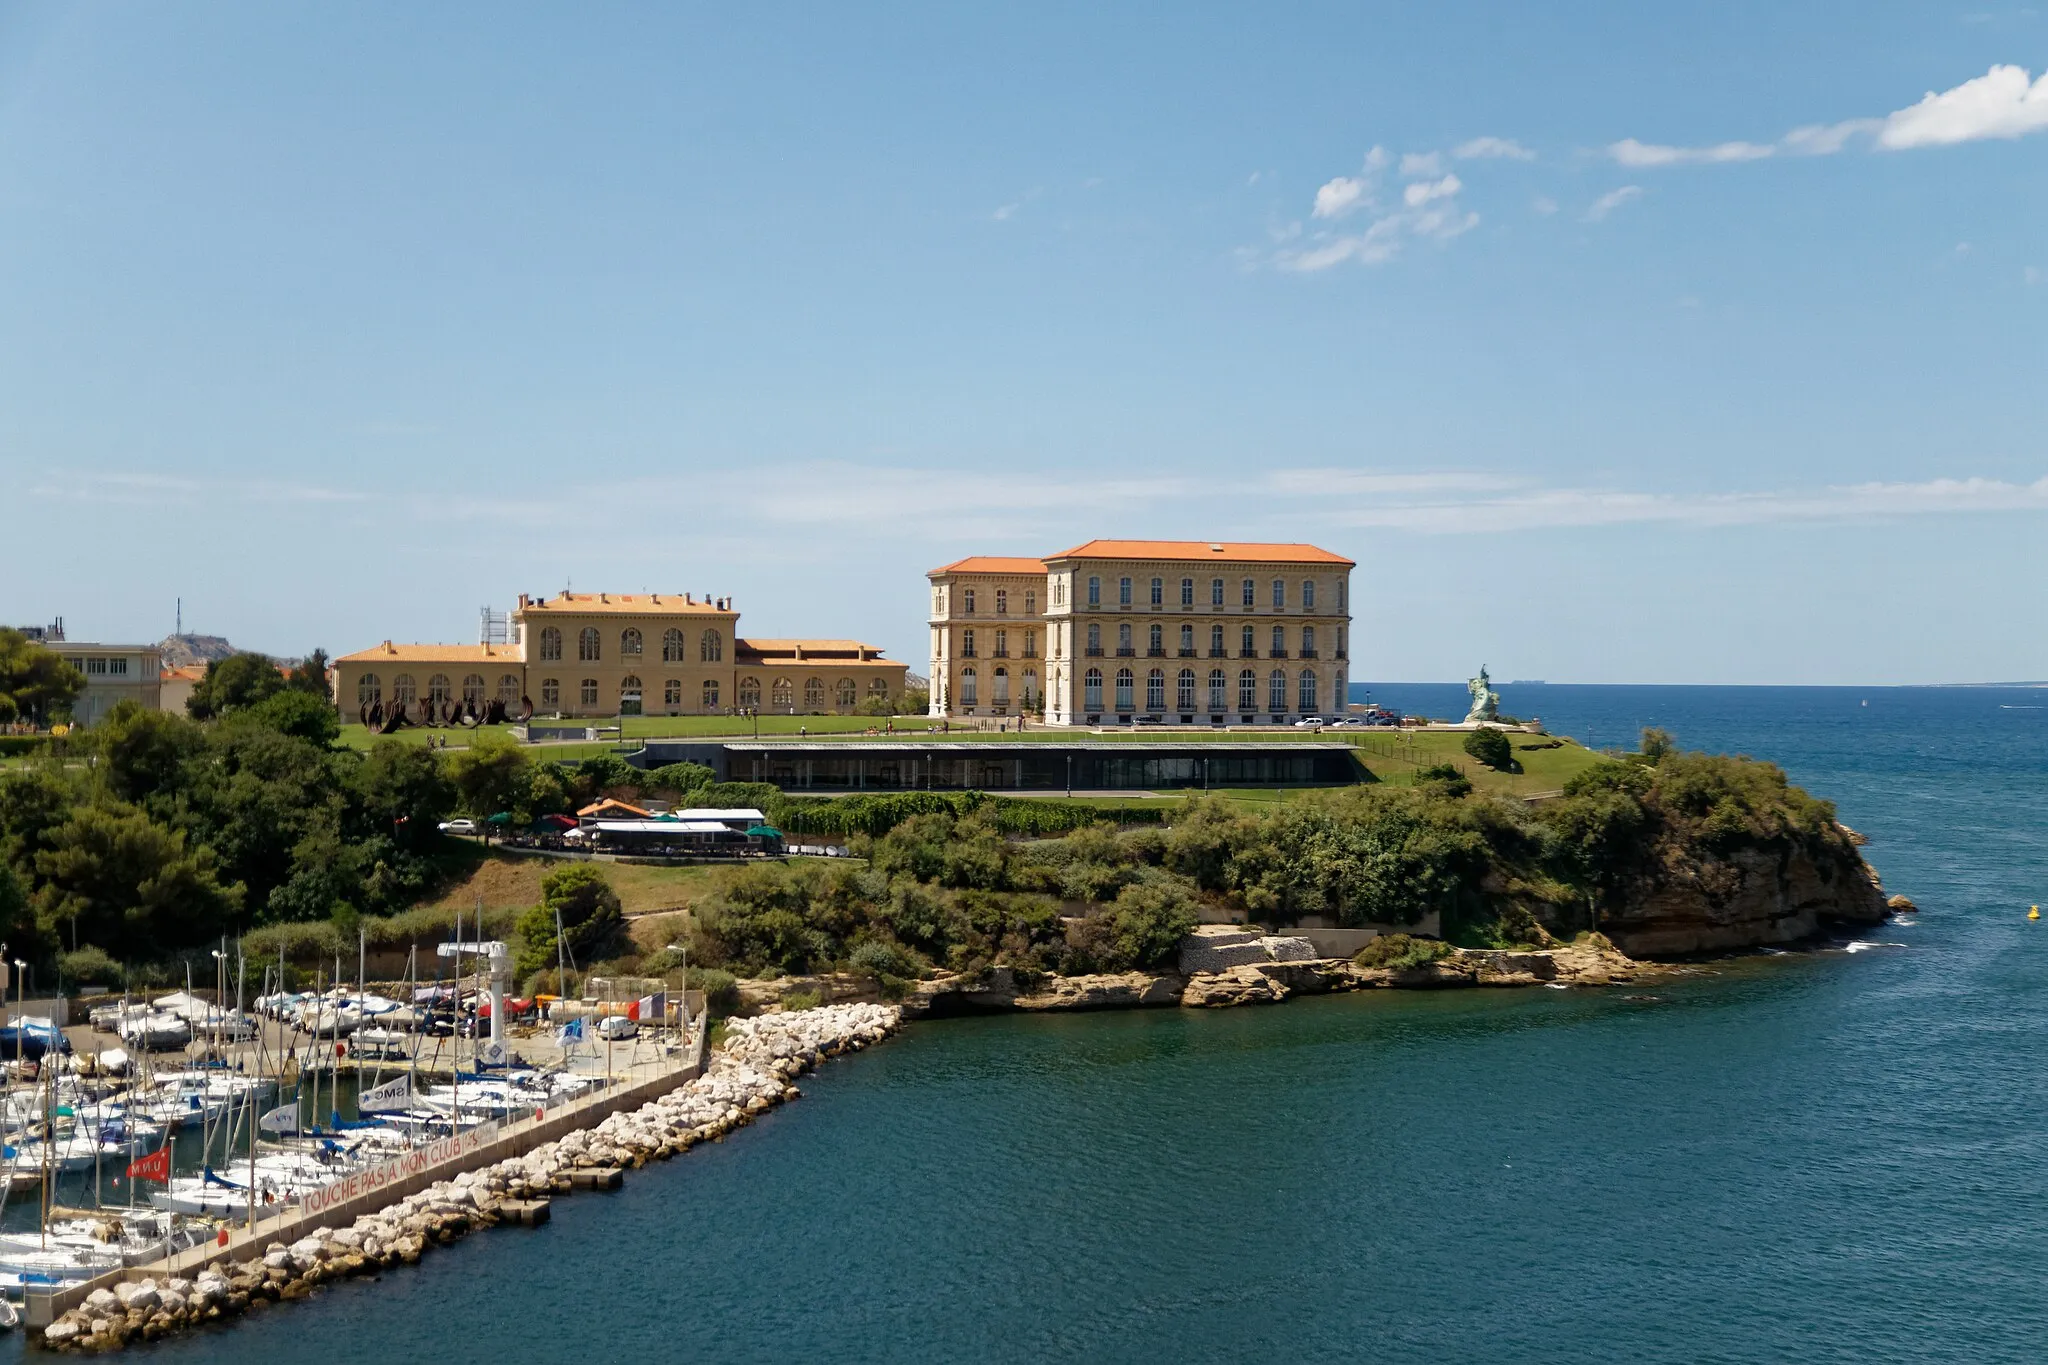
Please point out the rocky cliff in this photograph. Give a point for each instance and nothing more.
(1786, 890)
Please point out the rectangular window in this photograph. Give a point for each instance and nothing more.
(1091, 690)
(1308, 593)
(1002, 644)
(1245, 647)
(710, 694)
(1094, 640)
(1002, 601)
(1094, 591)
(1030, 644)
(1251, 593)
(1158, 592)
(1123, 592)
(1279, 592)
(1030, 602)
(966, 644)
(1215, 592)
(1279, 642)
(969, 601)
(1187, 592)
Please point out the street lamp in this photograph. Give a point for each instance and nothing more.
(684, 949)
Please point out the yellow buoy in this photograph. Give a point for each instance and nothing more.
(2033, 912)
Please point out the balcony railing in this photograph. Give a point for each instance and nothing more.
(1188, 654)
(1276, 654)
(1157, 653)
(1308, 654)
(1219, 653)
(1126, 652)
(1093, 651)
(1247, 654)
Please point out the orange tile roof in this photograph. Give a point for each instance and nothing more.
(811, 648)
(611, 803)
(992, 564)
(434, 654)
(183, 673)
(636, 604)
(1217, 551)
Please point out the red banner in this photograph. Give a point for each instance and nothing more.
(156, 1166)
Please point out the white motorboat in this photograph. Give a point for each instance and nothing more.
(156, 1032)
(381, 1045)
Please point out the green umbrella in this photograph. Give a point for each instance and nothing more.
(503, 817)
(763, 832)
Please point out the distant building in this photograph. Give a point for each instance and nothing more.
(176, 684)
(113, 674)
(620, 654)
(1173, 632)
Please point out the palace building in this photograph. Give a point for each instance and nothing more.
(618, 654)
(1166, 631)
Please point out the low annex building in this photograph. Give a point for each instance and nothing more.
(618, 654)
(1167, 631)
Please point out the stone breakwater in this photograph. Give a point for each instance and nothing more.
(752, 1072)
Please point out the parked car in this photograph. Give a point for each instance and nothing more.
(459, 825)
(1310, 723)
(1149, 720)
(617, 1027)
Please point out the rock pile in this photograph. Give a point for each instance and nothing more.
(754, 1071)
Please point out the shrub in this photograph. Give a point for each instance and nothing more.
(1399, 952)
(89, 965)
(1491, 747)
(721, 989)
(1142, 927)
(879, 957)
(678, 777)
(588, 910)
(1442, 779)
(802, 1000)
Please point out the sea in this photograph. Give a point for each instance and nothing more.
(1838, 1154)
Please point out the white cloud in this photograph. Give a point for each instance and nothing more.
(1005, 212)
(1334, 481)
(1537, 508)
(2004, 102)
(1422, 163)
(1341, 196)
(1423, 191)
(1544, 205)
(1630, 152)
(1612, 200)
(2001, 103)
(1483, 148)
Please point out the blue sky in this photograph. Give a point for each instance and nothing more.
(1617, 343)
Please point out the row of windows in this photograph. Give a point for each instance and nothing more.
(1247, 637)
(1305, 690)
(999, 687)
(1248, 592)
(101, 666)
(1002, 643)
(405, 689)
(1002, 596)
(590, 646)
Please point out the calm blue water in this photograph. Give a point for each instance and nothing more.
(1823, 1157)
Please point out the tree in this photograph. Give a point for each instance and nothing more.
(588, 909)
(310, 676)
(18, 927)
(143, 752)
(490, 775)
(1491, 747)
(680, 778)
(403, 793)
(35, 682)
(1657, 744)
(297, 711)
(232, 683)
(130, 885)
(33, 802)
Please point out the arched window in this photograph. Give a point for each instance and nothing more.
(1187, 641)
(967, 599)
(1217, 689)
(672, 692)
(1124, 684)
(1308, 642)
(970, 688)
(1276, 692)
(710, 647)
(473, 689)
(551, 693)
(1155, 691)
(878, 687)
(1030, 602)
(1279, 592)
(1002, 687)
(587, 650)
(711, 694)
(438, 689)
(1031, 687)
(587, 691)
(508, 689)
(1279, 642)
(1247, 690)
(849, 692)
(671, 646)
(369, 690)
(1307, 693)
(1308, 593)
(782, 694)
(550, 643)
(1215, 642)
(1245, 648)
(1091, 690)
(750, 693)
(1002, 601)
(814, 694)
(629, 641)
(1184, 690)
(629, 695)
(1155, 641)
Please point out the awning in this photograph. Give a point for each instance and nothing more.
(763, 832)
